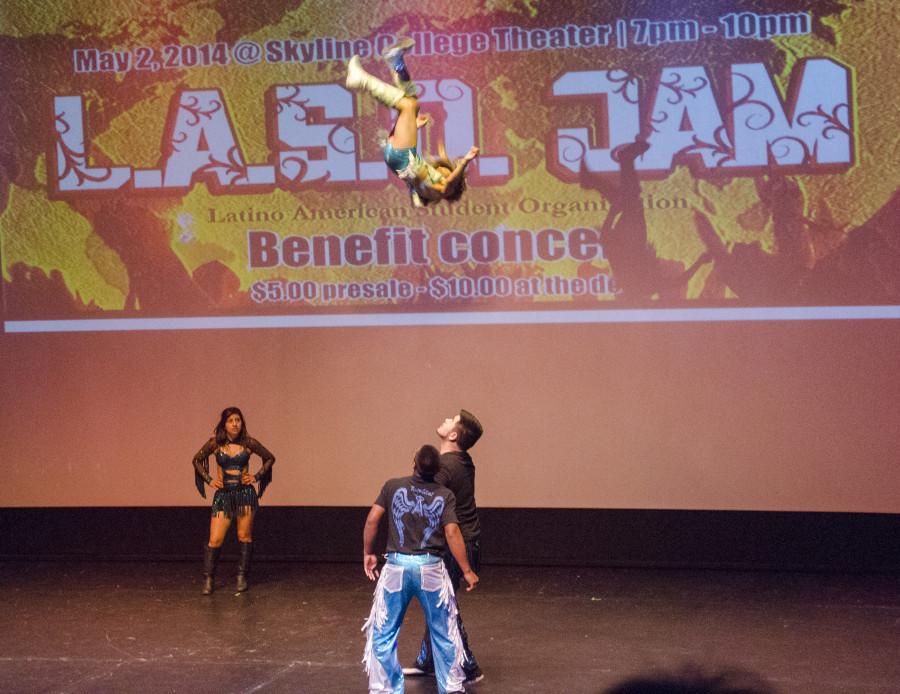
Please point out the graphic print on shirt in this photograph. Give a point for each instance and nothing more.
(401, 504)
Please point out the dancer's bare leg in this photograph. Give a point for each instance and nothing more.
(218, 528)
(406, 132)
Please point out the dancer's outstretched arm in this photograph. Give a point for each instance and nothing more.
(441, 186)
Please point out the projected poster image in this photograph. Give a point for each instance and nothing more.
(196, 161)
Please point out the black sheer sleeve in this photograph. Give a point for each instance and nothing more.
(264, 476)
(201, 466)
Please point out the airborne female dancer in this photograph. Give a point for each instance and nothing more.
(428, 181)
(235, 496)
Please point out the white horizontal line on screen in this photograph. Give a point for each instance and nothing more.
(354, 320)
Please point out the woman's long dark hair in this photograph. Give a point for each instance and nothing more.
(221, 436)
(458, 187)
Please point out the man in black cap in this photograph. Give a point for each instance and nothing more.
(457, 434)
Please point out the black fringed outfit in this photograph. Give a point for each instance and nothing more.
(235, 498)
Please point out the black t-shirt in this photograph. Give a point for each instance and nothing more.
(417, 512)
(457, 473)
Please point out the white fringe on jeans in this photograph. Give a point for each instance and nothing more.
(377, 617)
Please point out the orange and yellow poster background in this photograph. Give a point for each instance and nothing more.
(771, 237)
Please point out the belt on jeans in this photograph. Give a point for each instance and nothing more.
(396, 555)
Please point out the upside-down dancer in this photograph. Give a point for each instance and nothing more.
(427, 181)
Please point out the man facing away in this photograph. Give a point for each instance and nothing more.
(457, 472)
(421, 523)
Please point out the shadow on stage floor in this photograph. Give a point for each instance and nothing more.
(129, 627)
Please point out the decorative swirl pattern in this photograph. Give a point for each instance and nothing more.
(722, 149)
(301, 164)
(347, 144)
(657, 119)
(75, 162)
(292, 99)
(62, 126)
(449, 91)
(234, 169)
(193, 107)
(571, 149)
(679, 90)
(628, 84)
(784, 148)
(766, 113)
(834, 122)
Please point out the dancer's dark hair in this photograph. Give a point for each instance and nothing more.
(222, 436)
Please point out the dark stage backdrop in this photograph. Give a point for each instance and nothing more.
(194, 214)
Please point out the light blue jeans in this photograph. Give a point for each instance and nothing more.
(397, 159)
(404, 577)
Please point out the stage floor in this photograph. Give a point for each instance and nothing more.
(129, 627)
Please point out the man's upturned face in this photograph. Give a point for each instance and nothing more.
(447, 426)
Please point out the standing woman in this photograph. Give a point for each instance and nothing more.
(235, 496)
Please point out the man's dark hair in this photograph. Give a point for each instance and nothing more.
(468, 430)
(428, 462)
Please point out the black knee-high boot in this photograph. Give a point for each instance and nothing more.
(210, 559)
(244, 565)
